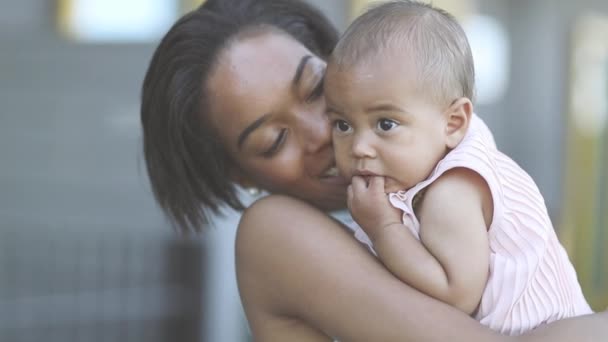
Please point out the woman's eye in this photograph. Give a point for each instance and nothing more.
(341, 126)
(386, 124)
(276, 145)
(316, 92)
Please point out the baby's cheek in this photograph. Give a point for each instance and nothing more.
(343, 164)
(392, 185)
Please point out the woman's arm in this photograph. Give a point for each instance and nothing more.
(588, 328)
(302, 277)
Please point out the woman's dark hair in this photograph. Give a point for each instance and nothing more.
(187, 166)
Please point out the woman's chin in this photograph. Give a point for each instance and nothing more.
(335, 181)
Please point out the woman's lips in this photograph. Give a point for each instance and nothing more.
(332, 176)
(331, 172)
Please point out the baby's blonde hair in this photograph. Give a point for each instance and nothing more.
(430, 37)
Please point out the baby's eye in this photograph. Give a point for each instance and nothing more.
(341, 126)
(386, 124)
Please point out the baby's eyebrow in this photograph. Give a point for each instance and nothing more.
(331, 110)
(384, 107)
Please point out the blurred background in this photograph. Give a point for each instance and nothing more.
(85, 253)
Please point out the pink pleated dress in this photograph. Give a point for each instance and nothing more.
(531, 280)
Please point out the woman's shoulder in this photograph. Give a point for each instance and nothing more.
(273, 210)
(267, 204)
(278, 226)
(281, 218)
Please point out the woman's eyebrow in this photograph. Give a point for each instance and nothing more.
(252, 127)
(300, 70)
(260, 121)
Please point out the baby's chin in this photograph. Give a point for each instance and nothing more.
(391, 186)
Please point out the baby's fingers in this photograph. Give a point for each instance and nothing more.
(376, 184)
(358, 184)
(349, 197)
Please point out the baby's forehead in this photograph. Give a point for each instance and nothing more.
(387, 70)
(400, 60)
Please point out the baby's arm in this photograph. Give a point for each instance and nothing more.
(451, 264)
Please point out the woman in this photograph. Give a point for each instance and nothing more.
(234, 95)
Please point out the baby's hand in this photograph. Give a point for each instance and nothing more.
(369, 205)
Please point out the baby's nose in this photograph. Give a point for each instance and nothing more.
(362, 148)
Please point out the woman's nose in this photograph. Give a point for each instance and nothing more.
(316, 131)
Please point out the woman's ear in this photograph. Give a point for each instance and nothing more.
(458, 117)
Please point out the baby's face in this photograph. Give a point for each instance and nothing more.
(381, 125)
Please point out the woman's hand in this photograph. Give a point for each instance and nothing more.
(369, 205)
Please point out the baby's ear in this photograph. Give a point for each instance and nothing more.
(458, 117)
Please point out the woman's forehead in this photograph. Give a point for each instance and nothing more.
(269, 49)
(252, 78)
(255, 62)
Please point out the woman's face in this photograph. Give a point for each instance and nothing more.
(267, 105)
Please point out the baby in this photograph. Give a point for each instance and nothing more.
(462, 222)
